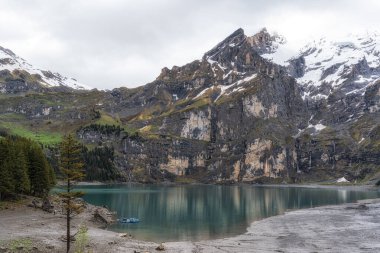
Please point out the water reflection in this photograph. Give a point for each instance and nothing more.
(195, 212)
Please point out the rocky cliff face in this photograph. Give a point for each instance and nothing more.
(235, 115)
(337, 79)
(237, 109)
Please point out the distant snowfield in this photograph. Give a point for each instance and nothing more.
(330, 61)
(11, 62)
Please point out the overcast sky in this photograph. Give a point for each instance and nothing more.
(112, 43)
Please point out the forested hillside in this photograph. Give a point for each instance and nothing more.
(24, 168)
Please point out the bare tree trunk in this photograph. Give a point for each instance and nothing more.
(68, 219)
(68, 228)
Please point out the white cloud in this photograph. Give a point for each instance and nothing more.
(108, 43)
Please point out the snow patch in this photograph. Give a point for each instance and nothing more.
(281, 55)
(317, 127)
(342, 180)
(224, 88)
(202, 93)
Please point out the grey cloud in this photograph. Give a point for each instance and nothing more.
(106, 44)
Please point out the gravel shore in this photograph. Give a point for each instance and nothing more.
(342, 228)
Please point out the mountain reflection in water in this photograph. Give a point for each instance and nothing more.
(200, 212)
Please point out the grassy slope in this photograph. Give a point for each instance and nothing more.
(44, 137)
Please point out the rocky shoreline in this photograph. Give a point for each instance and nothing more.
(349, 227)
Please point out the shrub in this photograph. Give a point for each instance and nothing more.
(81, 239)
(22, 243)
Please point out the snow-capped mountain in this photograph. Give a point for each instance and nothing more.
(263, 109)
(230, 67)
(231, 116)
(348, 64)
(9, 61)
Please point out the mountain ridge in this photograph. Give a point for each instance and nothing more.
(232, 116)
(10, 62)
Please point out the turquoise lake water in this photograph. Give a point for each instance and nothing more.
(199, 212)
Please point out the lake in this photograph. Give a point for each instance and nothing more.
(199, 212)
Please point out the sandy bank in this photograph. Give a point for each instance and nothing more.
(342, 228)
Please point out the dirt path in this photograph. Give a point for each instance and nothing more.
(343, 228)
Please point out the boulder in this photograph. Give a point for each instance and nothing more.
(160, 247)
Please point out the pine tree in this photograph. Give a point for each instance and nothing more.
(38, 172)
(51, 174)
(19, 168)
(24, 168)
(6, 180)
(71, 166)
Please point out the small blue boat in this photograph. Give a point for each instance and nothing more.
(129, 220)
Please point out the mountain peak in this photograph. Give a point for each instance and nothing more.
(239, 31)
(235, 38)
(11, 62)
(263, 42)
(7, 52)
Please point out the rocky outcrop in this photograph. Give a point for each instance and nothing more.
(253, 107)
(259, 163)
(197, 125)
(263, 42)
(296, 67)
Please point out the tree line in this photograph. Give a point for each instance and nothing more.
(24, 168)
(103, 129)
(99, 164)
(28, 168)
